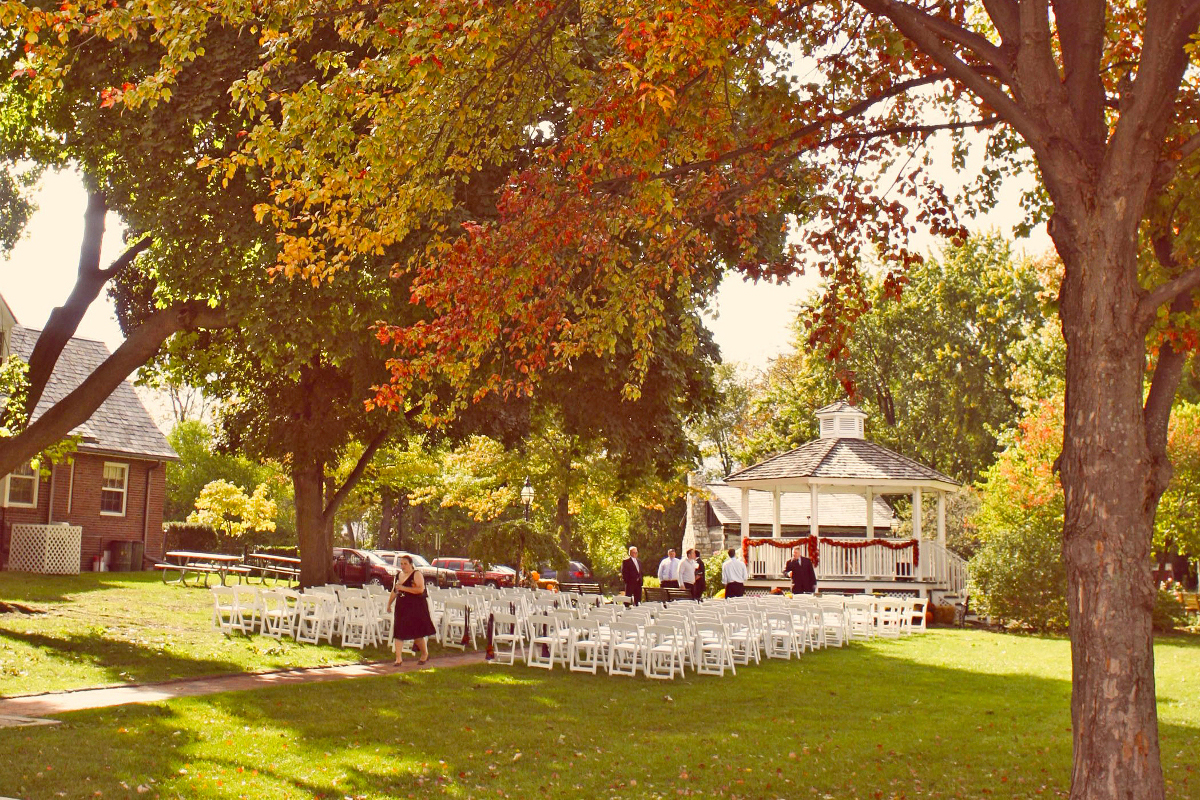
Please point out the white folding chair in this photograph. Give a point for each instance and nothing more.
(360, 622)
(743, 638)
(457, 628)
(508, 636)
(624, 648)
(246, 604)
(277, 618)
(713, 652)
(315, 614)
(544, 641)
(225, 616)
(780, 635)
(585, 648)
(917, 609)
(663, 654)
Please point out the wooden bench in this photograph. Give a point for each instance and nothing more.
(1191, 604)
(580, 588)
(656, 594)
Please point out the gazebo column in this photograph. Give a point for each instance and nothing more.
(916, 511)
(814, 510)
(870, 513)
(745, 514)
(941, 519)
(776, 525)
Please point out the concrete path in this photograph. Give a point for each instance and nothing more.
(28, 710)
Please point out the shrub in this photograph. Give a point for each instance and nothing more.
(1018, 576)
(712, 572)
(1168, 612)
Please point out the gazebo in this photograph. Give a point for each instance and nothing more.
(842, 461)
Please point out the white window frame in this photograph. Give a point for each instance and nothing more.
(37, 481)
(124, 489)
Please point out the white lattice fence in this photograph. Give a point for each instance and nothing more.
(47, 549)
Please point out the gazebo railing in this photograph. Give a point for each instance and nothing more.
(936, 563)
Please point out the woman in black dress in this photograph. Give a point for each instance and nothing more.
(412, 620)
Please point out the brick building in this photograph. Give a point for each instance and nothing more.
(113, 485)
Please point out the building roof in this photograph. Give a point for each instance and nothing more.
(121, 424)
(844, 461)
(840, 407)
(836, 510)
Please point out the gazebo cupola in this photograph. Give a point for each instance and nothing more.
(841, 420)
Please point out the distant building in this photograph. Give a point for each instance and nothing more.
(114, 485)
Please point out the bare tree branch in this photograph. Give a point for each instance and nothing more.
(348, 485)
(65, 319)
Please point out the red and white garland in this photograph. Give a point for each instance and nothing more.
(814, 550)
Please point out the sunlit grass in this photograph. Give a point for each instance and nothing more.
(103, 628)
(948, 714)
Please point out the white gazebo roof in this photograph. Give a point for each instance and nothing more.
(849, 462)
(795, 509)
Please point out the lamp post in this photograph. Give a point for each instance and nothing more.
(527, 501)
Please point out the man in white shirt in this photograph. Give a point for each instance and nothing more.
(733, 575)
(687, 574)
(668, 571)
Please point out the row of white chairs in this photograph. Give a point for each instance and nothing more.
(357, 617)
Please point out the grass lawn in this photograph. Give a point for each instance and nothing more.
(948, 714)
(103, 628)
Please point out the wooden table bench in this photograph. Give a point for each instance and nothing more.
(277, 567)
(201, 566)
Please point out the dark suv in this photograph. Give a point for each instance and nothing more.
(472, 573)
(577, 572)
(360, 567)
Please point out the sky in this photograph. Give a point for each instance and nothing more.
(751, 322)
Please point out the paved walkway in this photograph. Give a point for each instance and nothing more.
(29, 709)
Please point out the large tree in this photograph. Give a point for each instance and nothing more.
(678, 140)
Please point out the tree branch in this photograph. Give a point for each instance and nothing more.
(856, 110)
(73, 410)
(1180, 285)
(1168, 370)
(64, 320)
(348, 485)
(931, 35)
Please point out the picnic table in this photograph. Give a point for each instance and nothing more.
(277, 567)
(201, 566)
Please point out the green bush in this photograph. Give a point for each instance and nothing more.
(1018, 576)
(1168, 612)
(712, 572)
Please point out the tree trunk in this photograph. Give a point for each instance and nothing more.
(1112, 480)
(313, 530)
(386, 504)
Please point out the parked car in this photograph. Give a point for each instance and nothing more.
(360, 567)
(577, 572)
(472, 573)
(434, 576)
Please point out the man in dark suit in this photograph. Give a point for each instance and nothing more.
(804, 577)
(631, 573)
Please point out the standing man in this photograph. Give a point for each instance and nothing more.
(687, 573)
(733, 575)
(804, 577)
(701, 582)
(668, 571)
(631, 573)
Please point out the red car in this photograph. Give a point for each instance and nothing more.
(472, 573)
(360, 567)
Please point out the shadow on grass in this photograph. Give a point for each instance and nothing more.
(121, 661)
(848, 723)
(25, 588)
